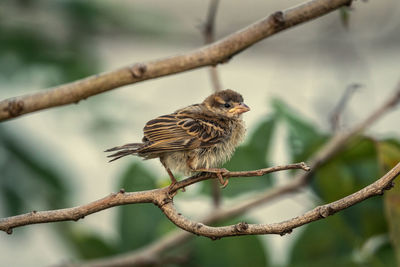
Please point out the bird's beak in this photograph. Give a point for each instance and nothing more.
(239, 108)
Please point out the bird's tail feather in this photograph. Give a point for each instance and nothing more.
(124, 150)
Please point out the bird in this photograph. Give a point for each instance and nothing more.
(195, 139)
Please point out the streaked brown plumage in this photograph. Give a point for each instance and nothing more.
(198, 138)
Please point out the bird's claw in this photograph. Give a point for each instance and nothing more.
(170, 187)
(223, 182)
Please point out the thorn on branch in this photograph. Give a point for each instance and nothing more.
(241, 227)
(14, 107)
(305, 167)
(122, 191)
(286, 232)
(389, 186)
(164, 201)
(326, 211)
(224, 60)
(9, 231)
(138, 70)
(79, 100)
(278, 19)
(79, 217)
(338, 110)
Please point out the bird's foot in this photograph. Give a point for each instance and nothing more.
(169, 190)
(223, 182)
(219, 172)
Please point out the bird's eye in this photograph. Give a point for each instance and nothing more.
(227, 105)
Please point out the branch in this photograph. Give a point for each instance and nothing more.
(79, 212)
(210, 55)
(157, 196)
(338, 110)
(208, 33)
(282, 228)
(149, 253)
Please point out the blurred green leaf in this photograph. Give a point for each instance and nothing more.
(23, 175)
(327, 242)
(21, 49)
(303, 138)
(332, 242)
(384, 256)
(346, 232)
(139, 223)
(236, 251)
(350, 170)
(88, 245)
(389, 152)
(250, 156)
(54, 39)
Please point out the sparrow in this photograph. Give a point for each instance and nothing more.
(198, 138)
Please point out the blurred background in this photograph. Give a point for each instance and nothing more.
(292, 82)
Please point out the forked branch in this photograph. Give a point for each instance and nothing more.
(243, 228)
(157, 196)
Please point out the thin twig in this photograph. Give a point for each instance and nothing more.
(156, 196)
(209, 36)
(210, 55)
(338, 110)
(216, 193)
(208, 31)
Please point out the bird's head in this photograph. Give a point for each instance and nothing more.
(227, 103)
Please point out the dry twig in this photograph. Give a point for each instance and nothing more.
(338, 110)
(209, 36)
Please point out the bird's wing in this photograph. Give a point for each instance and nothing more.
(181, 131)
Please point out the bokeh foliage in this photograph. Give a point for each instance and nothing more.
(28, 182)
(56, 38)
